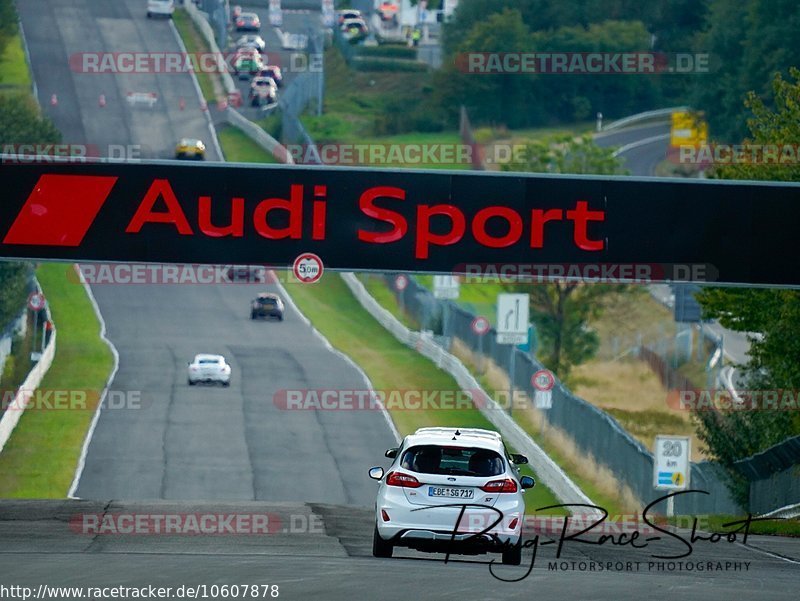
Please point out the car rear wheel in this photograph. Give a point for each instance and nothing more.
(228, 383)
(191, 382)
(512, 556)
(380, 547)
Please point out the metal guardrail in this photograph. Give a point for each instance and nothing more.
(774, 476)
(13, 413)
(645, 116)
(207, 31)
(546, 469)
(258, 135)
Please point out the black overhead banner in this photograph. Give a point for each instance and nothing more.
(416, 221)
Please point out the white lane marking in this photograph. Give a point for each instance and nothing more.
(639, 143)
(770, 553)
(199, 92)
(82, 460)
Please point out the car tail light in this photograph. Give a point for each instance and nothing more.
(505, 485)
(403, 480)
(193, 367)
(240, 22)
(384, 515)
(513, 523)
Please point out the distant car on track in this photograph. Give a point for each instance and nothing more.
(190, 148)
(160, 8)
(273, 71)
(209, 368)
(247, 64)
(252, 41)
(348, 13)
(247, 273)
(438, 470)
(248, 22)
(267, 304)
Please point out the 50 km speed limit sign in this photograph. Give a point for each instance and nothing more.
(671, 468)
(308, 268)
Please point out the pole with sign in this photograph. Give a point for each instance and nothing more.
(400, 284)
(445, 287)
(671, 467)
(512, 328)
(543, 382)
(36, 302)
(327, 13)
(480, 325)
(275, 13)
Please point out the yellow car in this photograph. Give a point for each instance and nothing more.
(189, 148)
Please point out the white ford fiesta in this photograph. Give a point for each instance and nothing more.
(437, 474)
(209, 368)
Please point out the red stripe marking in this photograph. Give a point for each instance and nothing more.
(60, 210)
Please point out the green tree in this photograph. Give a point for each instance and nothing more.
(21, 122)
(8, 23)
(748, 43)
(774, 358)
(561, 310)
(13, 286)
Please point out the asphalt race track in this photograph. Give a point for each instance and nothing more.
(210, 450)
(43, 542)
(200, 442)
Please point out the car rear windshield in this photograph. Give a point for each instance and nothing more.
(209, 361)
(463, 461)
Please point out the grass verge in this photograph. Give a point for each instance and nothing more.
(14, 74)
(241, 149)
(389, 364)
(194, 42)
(40, 458)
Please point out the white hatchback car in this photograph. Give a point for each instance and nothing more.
(209, 368)
(163, 8)
(437, 473)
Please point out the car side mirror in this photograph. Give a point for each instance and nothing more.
(391, 453)
(376, 473)
(519, 459)
(527, 482)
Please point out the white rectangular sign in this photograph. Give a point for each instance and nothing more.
(327, 13)
(275, 13)
(671, 466)
(512, 318)
(445, 286)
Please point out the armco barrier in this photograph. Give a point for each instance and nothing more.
(9, 419)
(774, 476)
(258, 135)
(547, 470)
(232, 116)
(208, 33)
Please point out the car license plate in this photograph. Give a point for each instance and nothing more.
(450, 493)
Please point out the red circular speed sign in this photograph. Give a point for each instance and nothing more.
(480, 325)
(543, 380)
(308, 268)
(401, 282)
(36, 301)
